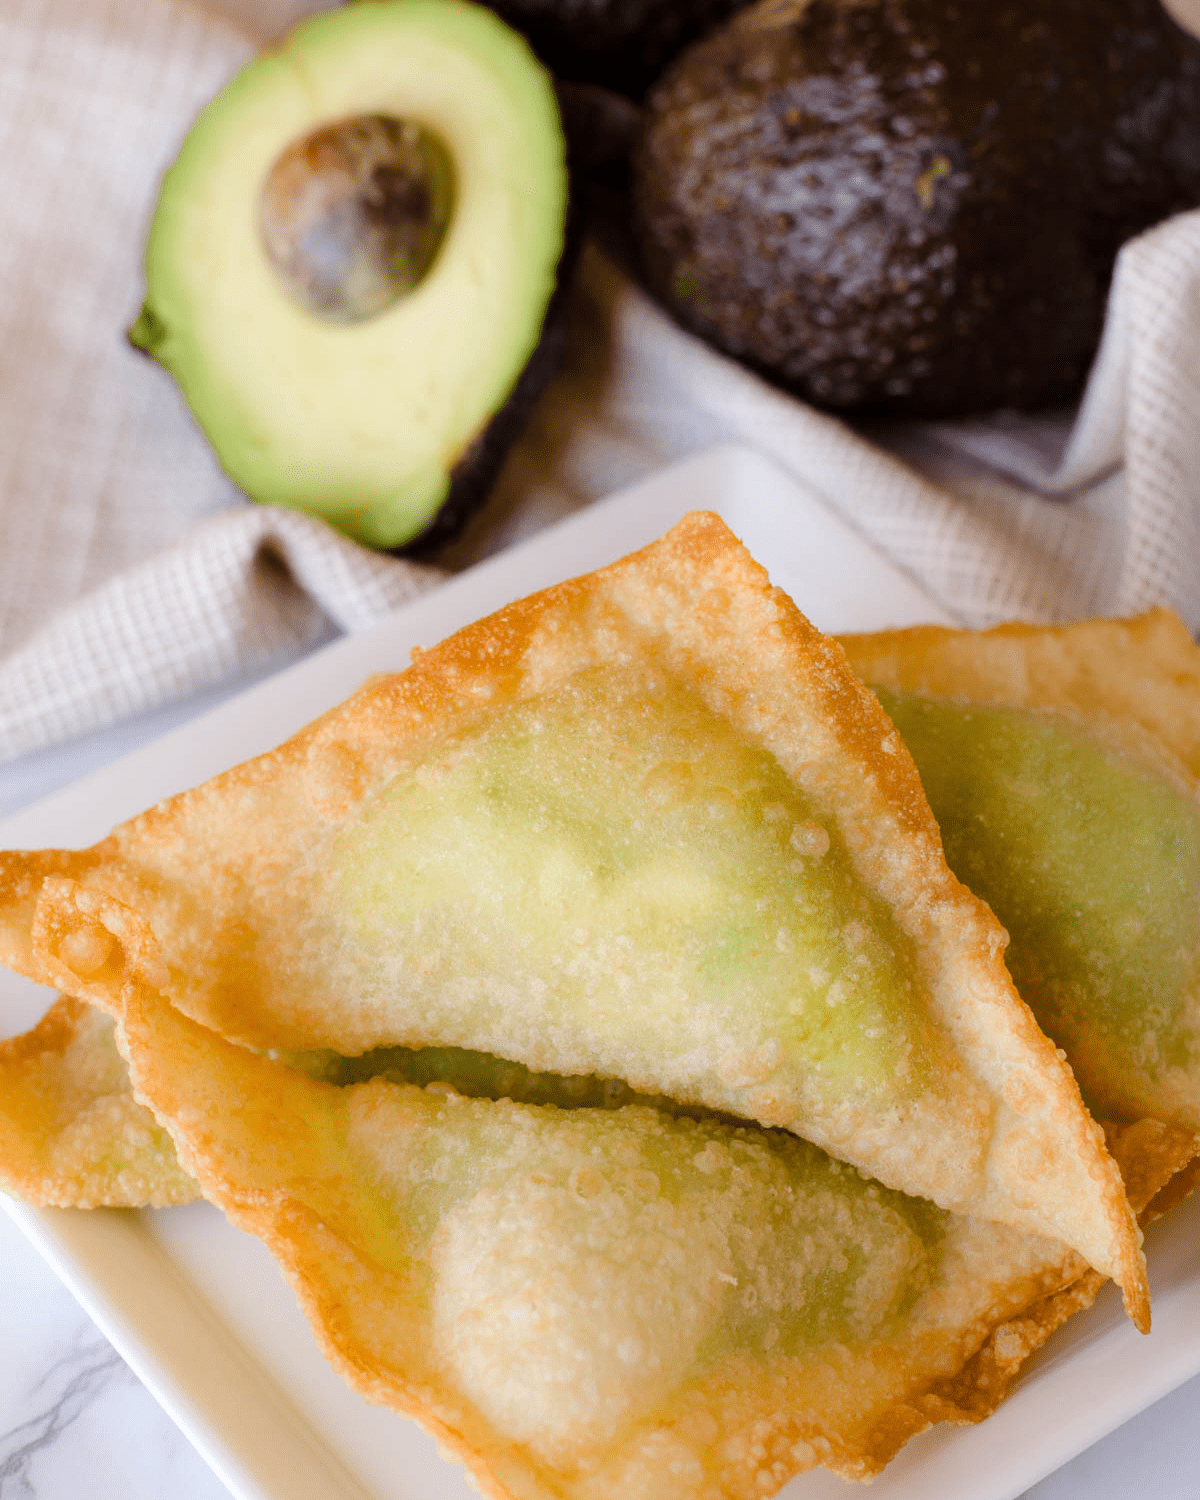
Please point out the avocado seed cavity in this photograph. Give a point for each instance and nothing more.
(352, 216)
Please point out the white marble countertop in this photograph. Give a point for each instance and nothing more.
(75, 1424)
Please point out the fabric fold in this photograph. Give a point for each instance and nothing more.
(239, 591)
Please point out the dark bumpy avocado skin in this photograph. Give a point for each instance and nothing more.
(913, 206)
(621, 44)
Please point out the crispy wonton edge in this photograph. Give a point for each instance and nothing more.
(1075, 667)
(25, 1172)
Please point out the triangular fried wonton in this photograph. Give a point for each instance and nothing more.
(1061, 765)
(71, 1133)
(645, 824)
(586, 1303)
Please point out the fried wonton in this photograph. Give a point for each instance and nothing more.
(71, 1133)
(582, 1303)
(1060, 763)
(645, 824)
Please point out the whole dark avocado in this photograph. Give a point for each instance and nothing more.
(621, 44)
(913, 206)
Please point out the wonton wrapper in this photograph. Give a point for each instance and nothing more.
(647, 825)
(1061, 764)
(587, 1303)
(1142, 671)
(71, 1133)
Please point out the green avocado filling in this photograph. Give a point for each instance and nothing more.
(785, 1246)
(620, 864)
(475, 1075)
(812, 1250)
(1089, 858)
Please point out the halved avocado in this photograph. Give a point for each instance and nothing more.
(359, 403)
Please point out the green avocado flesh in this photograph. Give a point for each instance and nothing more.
(362, 416)
(606, 879)
(1091, 860)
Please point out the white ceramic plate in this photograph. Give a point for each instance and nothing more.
(198, 1309)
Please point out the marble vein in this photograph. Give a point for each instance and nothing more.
(88, 1371)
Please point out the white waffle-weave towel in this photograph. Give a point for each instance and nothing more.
(132, 573)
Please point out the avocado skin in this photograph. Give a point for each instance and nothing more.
(602, 129)
(910, 207)
(620, 44)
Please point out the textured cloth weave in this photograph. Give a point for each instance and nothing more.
(132, 572)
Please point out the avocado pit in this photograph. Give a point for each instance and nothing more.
(353, 214)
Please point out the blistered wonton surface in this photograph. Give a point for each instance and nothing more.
(1060, 763)
(589, 1302)
(646, 825)
(71, 1133)
(1142, 671)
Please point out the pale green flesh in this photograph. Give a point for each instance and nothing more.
(1092, 863)
(618, 871)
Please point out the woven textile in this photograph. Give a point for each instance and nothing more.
(133, 573)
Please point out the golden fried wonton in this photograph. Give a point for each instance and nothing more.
(583, 1303)
(1060, 763)
(71, 1133)
(645, 824)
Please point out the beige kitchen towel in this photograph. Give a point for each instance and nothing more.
(132, 572)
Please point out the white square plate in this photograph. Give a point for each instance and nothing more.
(198, 1309)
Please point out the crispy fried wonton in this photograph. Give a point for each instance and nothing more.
(583, 1302)
(1061, 764)
(647, 825)
(71, 1133)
